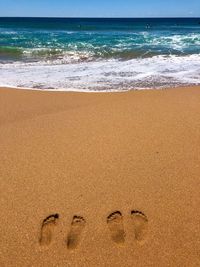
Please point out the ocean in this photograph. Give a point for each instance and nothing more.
(98, 54)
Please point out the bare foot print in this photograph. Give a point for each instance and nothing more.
(74, 236)
(47, 229)
(140, 223)
(116, 226)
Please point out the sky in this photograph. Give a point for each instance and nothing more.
(100, 8)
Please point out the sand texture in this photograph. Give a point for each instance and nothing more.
(100, 179)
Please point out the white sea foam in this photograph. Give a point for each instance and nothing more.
(104, 75)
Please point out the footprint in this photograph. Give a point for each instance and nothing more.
(47, 229)
(116, 227)
(140, 223)
(74, 236)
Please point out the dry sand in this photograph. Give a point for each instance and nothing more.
(100, 179)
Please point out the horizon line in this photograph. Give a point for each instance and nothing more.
(162, 17)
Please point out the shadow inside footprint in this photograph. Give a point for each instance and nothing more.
(74, 236)
(116, 227)
(140, 223)
(47, 229)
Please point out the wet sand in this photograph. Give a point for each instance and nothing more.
(95, 179)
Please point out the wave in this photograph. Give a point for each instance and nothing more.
(62, 56)
(55, 56)
(104, 75)
(10, 51)
(77, 47)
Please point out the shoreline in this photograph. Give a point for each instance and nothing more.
(100, 91)
(88, 160)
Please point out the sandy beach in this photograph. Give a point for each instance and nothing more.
(100, 179)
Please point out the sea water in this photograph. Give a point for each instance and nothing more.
(99, 54)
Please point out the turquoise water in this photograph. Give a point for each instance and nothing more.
(99, 54)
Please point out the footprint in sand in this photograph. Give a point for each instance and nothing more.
(47, 229)
(74, 236)
(116, 227)
(140, 225)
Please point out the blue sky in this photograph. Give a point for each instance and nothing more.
(100, 8)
